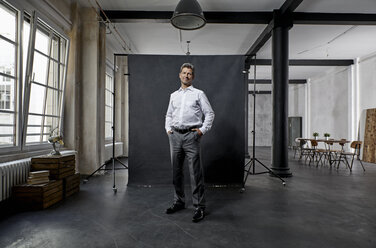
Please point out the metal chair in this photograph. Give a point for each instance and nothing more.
(356, 145)
(313, 151)
(330, 154)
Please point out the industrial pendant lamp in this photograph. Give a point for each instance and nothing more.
(188, 15)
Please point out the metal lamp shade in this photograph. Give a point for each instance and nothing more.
(188, 15)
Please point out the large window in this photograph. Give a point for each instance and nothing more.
(32, 77)
(109, 106)
(46, 85)
(8, 72)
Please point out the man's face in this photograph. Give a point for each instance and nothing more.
(186, 76)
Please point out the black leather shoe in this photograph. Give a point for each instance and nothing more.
(174, 208)
(199, 215)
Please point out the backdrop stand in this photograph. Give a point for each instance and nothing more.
(253, 161)
(113, 158)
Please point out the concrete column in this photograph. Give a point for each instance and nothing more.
(72, 109)
(280, 69)
(92, 98)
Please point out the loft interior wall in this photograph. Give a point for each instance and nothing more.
(297, 102)
(329, 105)
(367, 83)
(263, 120)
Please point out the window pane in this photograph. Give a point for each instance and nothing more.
(41, 41)
(108, 114)
(32, 139)
(7, 129)
(53, 75)
(7, 94)
(34, 128)
(55, 48)
(37, 96)
(40, 68)
(108, 98)
(7, 57)
(108, 130)
(50, 123)
(8, 23)
(52, 103)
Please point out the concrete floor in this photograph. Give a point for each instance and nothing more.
(319, 207)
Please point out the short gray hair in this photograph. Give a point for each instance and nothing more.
(188, 65)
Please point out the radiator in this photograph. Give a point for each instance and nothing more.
(13, 173)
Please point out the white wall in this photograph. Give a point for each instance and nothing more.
(298, 103)
(329, 104)
(263, 125)
(367, 83)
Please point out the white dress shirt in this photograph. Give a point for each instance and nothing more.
(187, 108)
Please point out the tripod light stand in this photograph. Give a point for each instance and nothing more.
(113, 158)
(252, 162)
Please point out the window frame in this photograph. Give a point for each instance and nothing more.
(22, 77)
(17, 81)
(36, 23)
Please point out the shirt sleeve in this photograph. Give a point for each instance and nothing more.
(169, 116)
(208, 113)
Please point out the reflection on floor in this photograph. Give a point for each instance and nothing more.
(319, 207)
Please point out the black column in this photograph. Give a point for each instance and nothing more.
(280, 71)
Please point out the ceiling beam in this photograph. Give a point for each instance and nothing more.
(306, 62)
(121, 16)
(260, 92)
(334, 18)
(260, 41)
(269, 81)
(226, 17)
(287, 8)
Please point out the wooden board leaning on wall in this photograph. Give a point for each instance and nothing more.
(369, 150)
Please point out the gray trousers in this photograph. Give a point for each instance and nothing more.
(187, 146)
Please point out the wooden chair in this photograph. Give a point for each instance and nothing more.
(330, 154)
(318, 153)
(313, 152)
(355, 145)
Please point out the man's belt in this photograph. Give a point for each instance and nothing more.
(185, 130)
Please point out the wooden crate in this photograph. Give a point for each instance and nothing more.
(60, 166)
(38, 196)
(53, 159)
(71, 185)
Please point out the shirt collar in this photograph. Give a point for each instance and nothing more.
(188, 88)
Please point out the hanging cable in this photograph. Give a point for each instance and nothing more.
(329, 42)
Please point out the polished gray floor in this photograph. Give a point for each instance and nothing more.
(319, 207)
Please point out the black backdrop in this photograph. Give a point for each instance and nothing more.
(152, 79)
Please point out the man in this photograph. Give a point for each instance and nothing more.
(185, 126)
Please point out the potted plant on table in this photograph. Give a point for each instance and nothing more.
(326, 135)
(315, 135)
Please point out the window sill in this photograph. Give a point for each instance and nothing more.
(29, 154)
